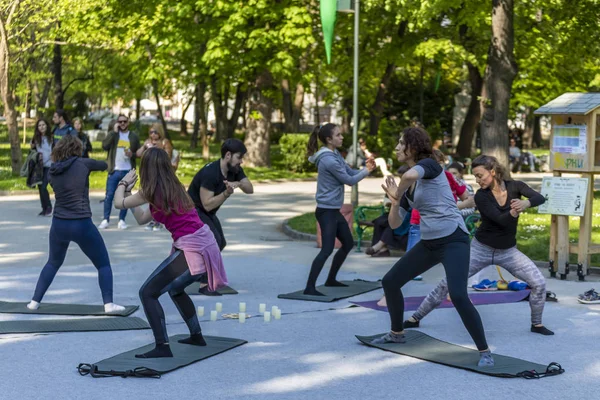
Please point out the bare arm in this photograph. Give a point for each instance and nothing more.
(124, 199)
(210, 201)
(245, 185)
(141, 150)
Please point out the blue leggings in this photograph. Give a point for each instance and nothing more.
(86, 235)
(172, 276)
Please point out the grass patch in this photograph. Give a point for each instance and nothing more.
(533, 233)
(190, 164)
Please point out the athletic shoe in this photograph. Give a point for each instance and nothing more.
(42, 213)
(485, 286)
(485, 359)
(122, 225)
(589, 297)
(517, 285)
(103, 224)
(384, 253)
(157, 227)
(149, 226)
(390, 337)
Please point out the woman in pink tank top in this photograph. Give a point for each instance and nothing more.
(195, 252)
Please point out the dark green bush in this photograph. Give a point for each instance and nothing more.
(293, 150)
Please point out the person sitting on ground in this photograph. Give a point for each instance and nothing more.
(514, 156)
(384, 237)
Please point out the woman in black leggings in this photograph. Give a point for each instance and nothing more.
(444, 238)
(195, 251)
(334, 173)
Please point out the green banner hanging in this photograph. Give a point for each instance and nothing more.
(328, 14)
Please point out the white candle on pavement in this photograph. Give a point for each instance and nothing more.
(219, 307)
(213, 315)
(200, 311)
(273, 310)
(277, 314)
(267, 316)
(243, 307)
(262, 307)
(242, 317)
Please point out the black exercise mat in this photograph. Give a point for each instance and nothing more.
(72, 325)
(194, 287)
(125, 364)
(425, 347)
(62, 309)
(354, 288)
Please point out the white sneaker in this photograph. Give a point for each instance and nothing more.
(156, 227)
(112, 307)
(149, 226)
(33, 305)
(122, 225)
(103, 224)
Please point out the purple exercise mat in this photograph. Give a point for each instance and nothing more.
(412, 303)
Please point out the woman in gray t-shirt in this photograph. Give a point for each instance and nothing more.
(444, 238)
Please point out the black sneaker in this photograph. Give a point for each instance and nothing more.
(204, 290)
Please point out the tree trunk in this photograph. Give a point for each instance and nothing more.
(500, 73)
(537, 132)
(59, 99)
(376, 111)
(526, 140)
(297, 107)
(473, 116)
(160, 112)
(183, 122)
(421, 93)
(219, 100)
(240, 97)
(138, 105)
(259, 124)
(346, 126)
(286, 95)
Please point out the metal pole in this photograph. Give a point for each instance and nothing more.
(354, 197)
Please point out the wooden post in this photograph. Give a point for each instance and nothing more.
(553, 236)
(585, 225)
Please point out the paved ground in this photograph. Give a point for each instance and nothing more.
(310, 353)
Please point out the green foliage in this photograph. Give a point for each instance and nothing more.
(293, 149)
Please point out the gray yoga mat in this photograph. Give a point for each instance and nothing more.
(194, 287)
(354, 288)
(425, 347)
(125, 364)
(72, 325)
(62, 309)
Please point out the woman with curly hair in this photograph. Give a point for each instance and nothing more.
(444, 238)
(72, 220)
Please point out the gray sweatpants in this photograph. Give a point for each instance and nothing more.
(513, 261)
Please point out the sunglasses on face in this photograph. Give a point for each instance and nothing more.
(151, 132)
(122, 122)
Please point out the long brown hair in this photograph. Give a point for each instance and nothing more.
(37, 135)
(417, 141)
(322, 132)
(491, 163)
(160, 186)
(67, 147)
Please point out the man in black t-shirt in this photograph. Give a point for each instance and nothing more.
(216, 181)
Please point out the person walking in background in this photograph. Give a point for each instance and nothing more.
(121, 145)
(43, 142)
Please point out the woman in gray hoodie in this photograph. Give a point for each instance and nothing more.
(333, 174)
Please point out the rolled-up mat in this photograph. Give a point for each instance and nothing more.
(62, 309)
(425, 347)
(72, 325)
(194, 287)
(125, 364)
(478, 299)
(335, 293)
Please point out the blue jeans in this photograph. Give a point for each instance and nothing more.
(414, 236)
(86, 235)
(111, 186)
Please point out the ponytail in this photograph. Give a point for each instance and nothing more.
(322, 132)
